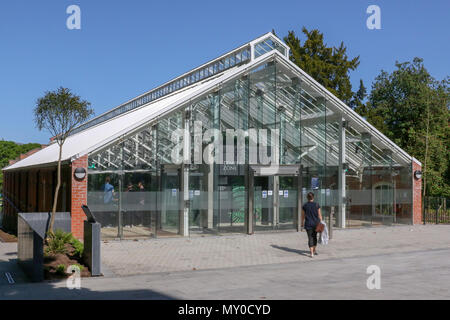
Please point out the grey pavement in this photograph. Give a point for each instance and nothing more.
(8, 264)
(212, 252)
(414, 263)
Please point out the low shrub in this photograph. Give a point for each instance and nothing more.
(61, 269)
(57, 242)
(78, 246)
(80, 266)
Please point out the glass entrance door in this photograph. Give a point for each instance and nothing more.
(287, 202)
(263, 199)
(169, 209)
(198, 202)
(275, 202)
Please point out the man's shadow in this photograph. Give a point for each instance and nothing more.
(300, 252)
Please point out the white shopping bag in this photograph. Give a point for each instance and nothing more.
(323, 238)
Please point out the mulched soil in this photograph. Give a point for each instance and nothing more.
(51, 263)
(6, 237)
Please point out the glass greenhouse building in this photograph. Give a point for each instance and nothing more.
(234, 146)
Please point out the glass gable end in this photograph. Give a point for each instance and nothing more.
(242, 157)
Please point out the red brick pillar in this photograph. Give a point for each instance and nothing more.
(78, 198)
(417, 194)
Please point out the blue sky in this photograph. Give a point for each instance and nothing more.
(125, 48)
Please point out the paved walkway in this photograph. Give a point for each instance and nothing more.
(8, 264)
(204, 253)
(408, 275)
(414, 263)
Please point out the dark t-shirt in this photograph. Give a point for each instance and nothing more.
(311, 214)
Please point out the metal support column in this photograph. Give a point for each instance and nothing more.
(342, 196)
(251, 199)
(390, 180)
(185, 201)
(276, 202)
(213, 178)
(299, 199)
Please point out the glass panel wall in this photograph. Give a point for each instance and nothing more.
(230, 174)
(203, 191)
(331, 179)
(171, 197)
(131, 195)
(288, 114)
(268, 116)
(137, 180)
(104, 189)
(358, 178)
(264, 128)
(383, 187)
(313, 143)
(403, 186)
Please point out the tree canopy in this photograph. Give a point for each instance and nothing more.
(60, 112)
(412, 109)
(330, 66)
(9, 151)
(408, 105)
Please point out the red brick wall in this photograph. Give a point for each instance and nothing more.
(79, 197)
(417, 195)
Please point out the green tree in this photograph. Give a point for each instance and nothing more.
(412, 109)
(60, 112)
(10, 150)
(359, 97)
(330, 66)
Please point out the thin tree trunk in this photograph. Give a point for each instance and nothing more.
(58, 185)
(425, 162)
(426, 151)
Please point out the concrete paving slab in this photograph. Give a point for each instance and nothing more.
(200, 253)
(410, 275)
(414, 264)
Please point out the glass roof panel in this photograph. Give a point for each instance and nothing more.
(267, 45)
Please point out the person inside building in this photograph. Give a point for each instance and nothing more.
(130, 187)
(108, 191)
(128, 204)
(140, 214)
(108, 203)
(311, 217)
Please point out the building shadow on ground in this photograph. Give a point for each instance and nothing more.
(24, 289)
(48, 291)
(300, 252)
(8, 264)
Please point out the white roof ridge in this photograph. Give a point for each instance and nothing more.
(178, 78)
(213, 82)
